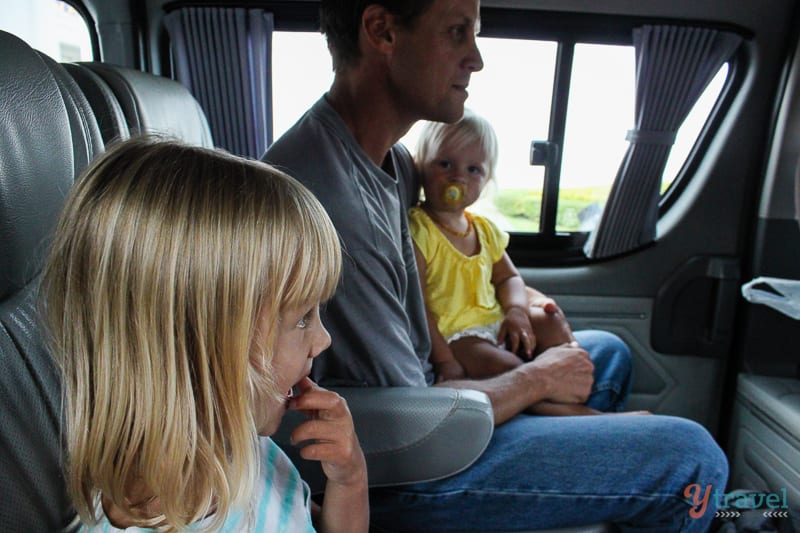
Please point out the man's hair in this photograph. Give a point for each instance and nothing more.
(472, 127)
(162, 261)
(340, 21)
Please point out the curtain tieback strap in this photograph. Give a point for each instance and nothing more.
(664, 138)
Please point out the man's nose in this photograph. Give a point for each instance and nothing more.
(474, 61)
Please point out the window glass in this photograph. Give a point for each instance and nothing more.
(692, 126)
(599, 114)
(50, 26)
(515, 100)
(513, 92)
(301, 73)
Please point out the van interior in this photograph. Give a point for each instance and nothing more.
(696, 267)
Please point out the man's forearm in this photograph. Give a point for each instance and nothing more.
(510, 393)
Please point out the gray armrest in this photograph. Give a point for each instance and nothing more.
(408, 434)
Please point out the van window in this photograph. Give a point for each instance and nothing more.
(301, 73)
(600, 112)
(691, 128)
(515, 92)
(50, 26)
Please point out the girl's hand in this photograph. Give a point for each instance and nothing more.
(516, 332)
(448, 370)
(328, 436)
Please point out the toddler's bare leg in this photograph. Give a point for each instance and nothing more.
(482, 359)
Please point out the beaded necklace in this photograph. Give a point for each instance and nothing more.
(448, 229)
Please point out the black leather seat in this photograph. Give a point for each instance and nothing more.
(105, 106)
(129, 102)
(47, 135)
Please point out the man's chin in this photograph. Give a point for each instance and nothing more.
(449, 114)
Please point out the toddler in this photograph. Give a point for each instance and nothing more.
(476, 300)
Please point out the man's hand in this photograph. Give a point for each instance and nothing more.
(566, 373)
(550, 326)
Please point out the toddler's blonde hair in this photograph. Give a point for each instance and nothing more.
(470, 128)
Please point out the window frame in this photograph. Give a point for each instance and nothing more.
(549, 247)
(91, 26)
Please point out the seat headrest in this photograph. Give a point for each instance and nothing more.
(45, 138)
(106, 107)
(155, 104)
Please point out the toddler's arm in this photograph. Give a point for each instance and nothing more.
(333, 442)
(510, 289)
(548, 326)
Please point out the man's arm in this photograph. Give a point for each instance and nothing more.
(561, 374)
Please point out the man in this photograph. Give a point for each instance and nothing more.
(396, 63)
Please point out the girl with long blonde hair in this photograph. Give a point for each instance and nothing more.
(181, 295)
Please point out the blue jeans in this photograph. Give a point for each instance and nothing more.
(547, 472)
(612, 369)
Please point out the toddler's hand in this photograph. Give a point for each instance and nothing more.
(328, 436)
(516, 332)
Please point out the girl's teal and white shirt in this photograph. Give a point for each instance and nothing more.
(281, 501)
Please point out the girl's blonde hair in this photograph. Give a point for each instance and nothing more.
(164, 257)
(470, 128)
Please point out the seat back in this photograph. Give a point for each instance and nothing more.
(47, 135)
(54, 119)
(129, 102)
(105, 106)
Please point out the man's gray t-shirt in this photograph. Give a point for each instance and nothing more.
(377, 317)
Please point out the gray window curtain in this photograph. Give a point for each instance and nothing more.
(223, 56)
(674, 64)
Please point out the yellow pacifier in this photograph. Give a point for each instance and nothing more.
(453, 194)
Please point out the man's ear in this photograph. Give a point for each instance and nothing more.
(378, 29)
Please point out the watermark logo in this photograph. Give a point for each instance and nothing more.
(730, 505)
